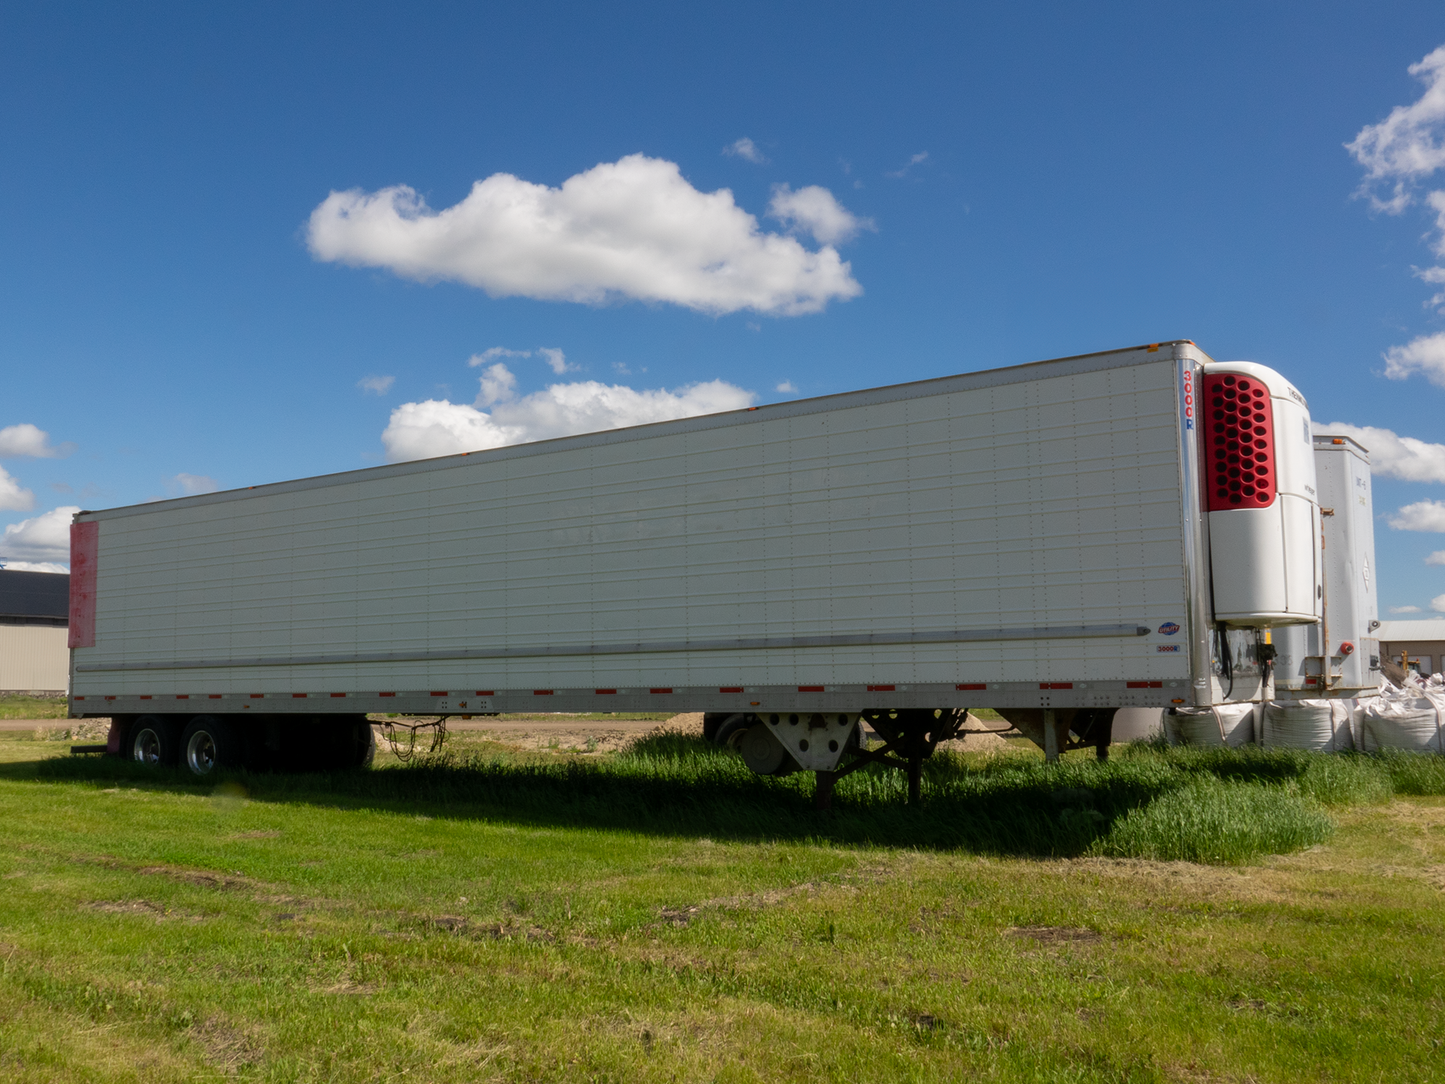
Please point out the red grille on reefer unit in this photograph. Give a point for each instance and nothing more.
(1238, 442)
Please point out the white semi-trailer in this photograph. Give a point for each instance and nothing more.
(1055, 541)
(1339, 656)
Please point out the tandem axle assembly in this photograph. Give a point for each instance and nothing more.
(780, 743)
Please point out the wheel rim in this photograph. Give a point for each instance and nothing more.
(201, 752)
(147, 747)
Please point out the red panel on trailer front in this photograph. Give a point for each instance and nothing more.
(1239, 454)
(84, 546)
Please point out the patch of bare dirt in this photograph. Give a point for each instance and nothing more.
(346, 986)
(226, 1047)
(199, 878)
(1054, 935)
(679, 916)
(561, 733)
(461, 926)
(157, 911)
(683, 915)
(976, 741)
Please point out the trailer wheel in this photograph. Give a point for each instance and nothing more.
(208, 744)
(152, 741)
(763, 753)
(712, 720)
(730, 730)
(368, 753)
(355, 744)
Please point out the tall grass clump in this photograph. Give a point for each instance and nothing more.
(1420, 774)
(1342, 779)
(1208, 820)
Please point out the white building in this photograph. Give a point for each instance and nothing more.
(34, 614)
(1422, 641)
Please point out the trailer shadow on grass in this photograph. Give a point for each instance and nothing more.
(1146, 801)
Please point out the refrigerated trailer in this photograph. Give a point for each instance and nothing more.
(1340, 655)
(1054, 541)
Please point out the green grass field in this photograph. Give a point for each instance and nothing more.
(662, 915)
(34, 707)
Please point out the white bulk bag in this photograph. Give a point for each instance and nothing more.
(1308, 724)
(1226, 724)
(1410, 718)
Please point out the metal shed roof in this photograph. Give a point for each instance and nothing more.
(34, 594)
(1403, 631)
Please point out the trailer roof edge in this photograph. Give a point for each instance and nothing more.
(1143, 354)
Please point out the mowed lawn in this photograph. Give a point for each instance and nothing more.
(472, 921)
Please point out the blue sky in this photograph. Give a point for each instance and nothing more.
(181, 307)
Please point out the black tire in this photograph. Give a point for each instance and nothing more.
(711, 721)
(152, 740)
(209, 744)
(355, 744)
(761, 751)
(731, 729)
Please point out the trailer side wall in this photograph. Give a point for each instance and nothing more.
(1016, 536)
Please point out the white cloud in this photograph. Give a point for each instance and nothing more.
(1425, 355)
(814, 209)
(552, 355)
(1438, 604)
(438, 427)
(29, 441)
(1435, 275)
(34, 566)
(1436, 558)
(746, 148)
(1391, 455)
(191, 484)
(1404, 609)
(1436, 200)
(45, 537)
(376, 385)
(1402, 150)
(1410, 142)
(13, 496)
(492, 353)
(556, 359)
(921, 156)
(1420, 516)
(631, 229)
(787, 387)
(497, 384)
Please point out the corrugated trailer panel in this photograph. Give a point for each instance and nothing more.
(1041, 497)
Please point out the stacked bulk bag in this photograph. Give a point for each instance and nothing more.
(1226, 724)
(1411, 718)
(1308, 724)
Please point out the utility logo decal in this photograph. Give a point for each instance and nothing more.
(1169, 628)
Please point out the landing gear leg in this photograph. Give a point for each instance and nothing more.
(823, 792)
(909, 738)
(915, 779)
(1104, 733)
